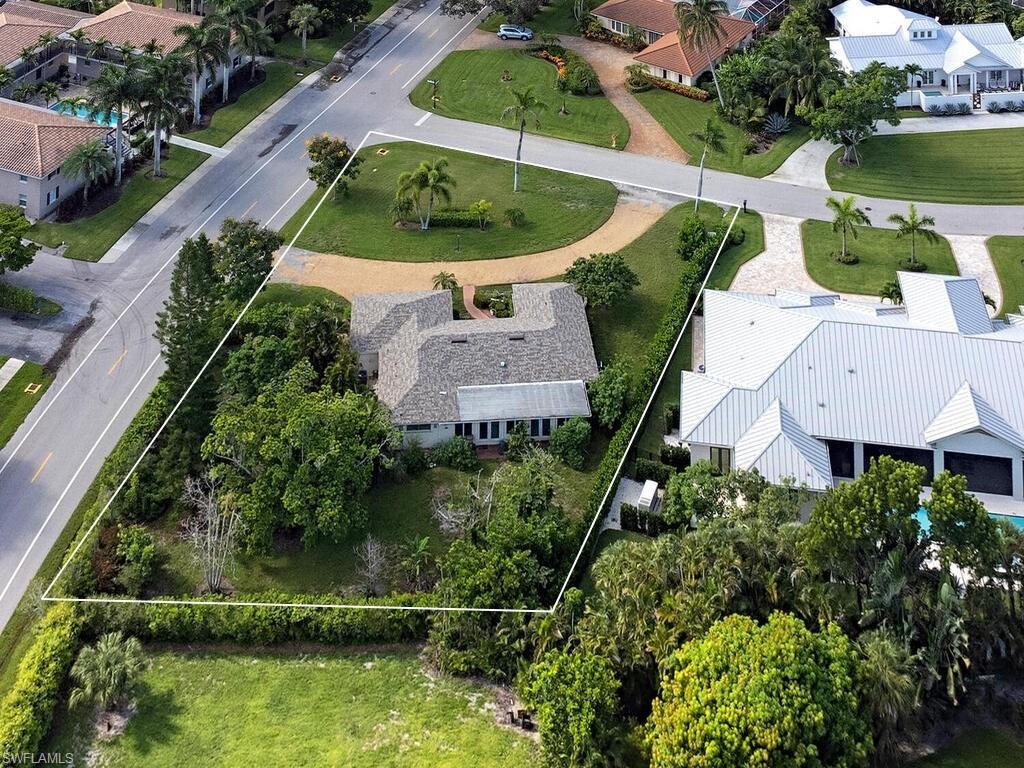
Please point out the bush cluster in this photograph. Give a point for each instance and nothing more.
(648, 469)
(569, 442)
(574, 72)
(689, 91)
(457, 453)
(636, 520)
(453, 218)
(16, 299)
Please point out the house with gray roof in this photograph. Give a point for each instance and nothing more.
(444, 378)
(811, 387)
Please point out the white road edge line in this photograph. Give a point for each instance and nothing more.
(423, 119)
(153, 278)
(444, 47)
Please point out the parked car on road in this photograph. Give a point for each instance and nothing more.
(514, 32)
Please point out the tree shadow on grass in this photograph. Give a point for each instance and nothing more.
(155, 720)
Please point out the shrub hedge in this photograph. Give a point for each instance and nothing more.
(689, 91)
(27, 709)
(454, 218)
(17, 299)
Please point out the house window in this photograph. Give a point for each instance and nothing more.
(209, 82)
(985, 474)
(236, 61)
(921, 457)
(23, 201)
(417, 427)
(23, 178)
(928, 77)
(721, 459)
(509, 427)
(464, 430)
(618, 27)
(53, 196)
(560, 422)
(534, 427)
(483, 430)
(495, 430)
(545, 427)
(840, 457)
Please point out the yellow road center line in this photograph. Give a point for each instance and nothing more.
(42, 466)
(395, 69)
(433, 33)
(246, 212)
(117, 362)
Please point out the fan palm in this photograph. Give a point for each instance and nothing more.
(90, 162)
(163, 82)
(524, 106)
(205, 46)
(846, 217)
(912, 225)
(445, 281)
(303, 19)
(700, 27)
(712, 138)
(107, 673)
(114, 91)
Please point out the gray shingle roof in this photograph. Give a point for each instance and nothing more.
(425, 356)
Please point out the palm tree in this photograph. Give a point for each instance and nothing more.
(445, 281)
(49, 91)
(803, 70)
(205, 46)
(152, 48)
(432, 178)
(114, 91)
(254, 39)
(713, 139)
(98, 48)
(107, 673)
(888, 687)
(77, 36)
(913, 71)
(891, 292)
(913, 225)
(27, 55)
(126, 51)
(6, 78)
(45, 41)
(417, 558)
(237, 15)
(89, 161)
(846, 218)
(945, 655)
(700, 26)
(166, 95)
(304, 18)
(523, 107)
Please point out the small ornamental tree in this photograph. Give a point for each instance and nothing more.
(14, 254)
(574, 697)
(603, 279)
(960, 524)
(137, 552)
(610, 395)
(697, 490)
(569, 442)
(769, 695)
(482, 210)
(329, 158)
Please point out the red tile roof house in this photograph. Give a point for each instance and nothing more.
(21, 24)
(34, 143)
(666, 56)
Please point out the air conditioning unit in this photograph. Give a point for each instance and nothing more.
(648, 497)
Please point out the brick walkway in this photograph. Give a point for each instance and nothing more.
(468, 294)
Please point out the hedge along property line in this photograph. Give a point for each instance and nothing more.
(689, 91)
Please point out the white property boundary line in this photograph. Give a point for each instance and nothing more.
(452, 609)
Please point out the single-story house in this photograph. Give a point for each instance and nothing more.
(443, 378)
(954, 58)
(811, 387)
(666, 56)
(34, 142)
(21, 24)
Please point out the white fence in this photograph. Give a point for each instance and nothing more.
(926, 102)
(1001, 98)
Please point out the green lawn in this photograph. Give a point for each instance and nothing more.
(90, 238)
(229, 120)
(555, 18)
(471, 88)
(322, 49)
(984, 167)
(1008, 256)
(985, 748)
(296, 295)
(560, 209)
(682, 117)
(15, 404)
(359, 710)
(879, 252)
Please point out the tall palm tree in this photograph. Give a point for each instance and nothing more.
(253, 40)
(98, 48)
(713, 139)
(205, 46)
(303, 19)
(114, 91)
(237, 15)
(27, 55)
(107, 673)
(45, 41)
(524, 106)
(90, 162)
(49, 91)
(166, 95)
(803, 71)
(913, 225)
(846, 217)
(432, 178)
(700, 27)
(125, 50)
(77, 37)
(913, 71)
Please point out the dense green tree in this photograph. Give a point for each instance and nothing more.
(803, 72)
(569, 442)
(610, 395)
(696, 491)
(257, 363)
(243, 256)
(320, 332)
(960, 524)
(332, 161)
(14, 254)
(603, 279)
(761, 695)
(137, 553)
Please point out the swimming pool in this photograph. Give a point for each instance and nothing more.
(932, 93)
(82, 111)
(926, 524)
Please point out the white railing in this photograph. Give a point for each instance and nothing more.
(926, 102)
(1001, 98)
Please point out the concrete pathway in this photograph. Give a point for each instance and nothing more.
(806, 166)
(469, 300)
(781, 264)
(8, 369)
(209, 149)
(973, 260)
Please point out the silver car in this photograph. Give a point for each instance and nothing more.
(514, 32)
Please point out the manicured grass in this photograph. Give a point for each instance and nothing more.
(229, 120)
(560, 209)
(983, 748)
(471, 88)
(15, 404)
(682, 117)
(360, 710)
(322, 49)
(983, 167)
(296, 295)
(1008, 256)
(555, 18)
(90, 238)
(879, 252)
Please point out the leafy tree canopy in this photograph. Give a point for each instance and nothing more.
(14, 254)
(603, 279)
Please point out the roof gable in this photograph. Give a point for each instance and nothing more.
(778, 447)
(35, 141)
(967, 411)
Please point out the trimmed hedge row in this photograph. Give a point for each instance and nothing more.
(265, 625)
(17, 299)
(689, 91)
(27, 709)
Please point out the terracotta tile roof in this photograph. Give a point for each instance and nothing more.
(35, 141)
(656, 15)
(138, 24)
(23, 21)
(670, 53)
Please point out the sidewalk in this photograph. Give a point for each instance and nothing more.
(7, 371)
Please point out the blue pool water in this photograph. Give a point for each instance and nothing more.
(82, 111)
(932, 93)
(926, 524)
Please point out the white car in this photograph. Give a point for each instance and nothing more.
(514, 32)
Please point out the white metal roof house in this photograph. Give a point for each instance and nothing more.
(443, 378)
(955, 58)
(812, 387)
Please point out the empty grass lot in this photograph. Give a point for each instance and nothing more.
(1008, 256)
(985, 748)
(879, 252)
(471, 88)
(983, 167)
(15, 404)
(359, 710)
(90, 238)
(322, 49)
(682, 117)
(230, 119)
(560, 208)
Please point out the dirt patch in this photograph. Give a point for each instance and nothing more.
(348, 276)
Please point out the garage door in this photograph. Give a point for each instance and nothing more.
(985, 474)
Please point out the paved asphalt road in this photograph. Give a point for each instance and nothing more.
(48, 465)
